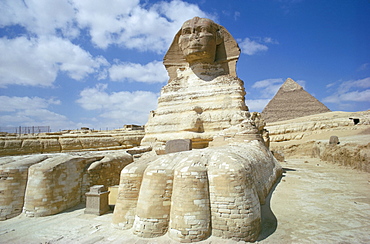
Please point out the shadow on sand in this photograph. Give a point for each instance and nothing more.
(269, 221)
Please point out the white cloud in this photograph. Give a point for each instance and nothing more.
(268, 88)
(133, 25)
(251, 47)
(21, 103)
(265, 90)
(43, 45)
(31, 111)
(364, 66)
(270, 40)
(350, 91)
(153, 72)
(257, 104)
(37, 61)
(37, 117)
(118, 107)
(41, 17)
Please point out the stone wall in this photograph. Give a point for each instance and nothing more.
(11, 144)
(47, 184)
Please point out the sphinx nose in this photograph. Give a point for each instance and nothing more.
(195, 35)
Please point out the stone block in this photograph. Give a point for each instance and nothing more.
(113, 193)
(178, 145)
(97, 200)
(333, 140)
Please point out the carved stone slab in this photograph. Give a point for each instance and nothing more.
(178, 145)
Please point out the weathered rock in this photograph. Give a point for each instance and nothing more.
(292, 101)
(304, 127)
(192, 194)
(354, 155)
(333, 140)
(70, 141)
(13, 181)
(47, 184)
(279, 155)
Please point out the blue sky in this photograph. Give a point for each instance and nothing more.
(94, 63)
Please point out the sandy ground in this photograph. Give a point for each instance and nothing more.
(314, 202)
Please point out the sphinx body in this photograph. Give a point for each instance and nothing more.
(204, 95)
(217, 188)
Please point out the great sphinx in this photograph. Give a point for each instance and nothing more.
(216, 188)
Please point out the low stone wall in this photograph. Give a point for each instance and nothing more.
(47, 184)
(354, 155)
(67, 141)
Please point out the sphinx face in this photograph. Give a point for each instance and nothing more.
(198, 40)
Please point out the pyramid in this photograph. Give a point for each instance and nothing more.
(292, 101)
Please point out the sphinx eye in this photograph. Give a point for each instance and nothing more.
(186, 31)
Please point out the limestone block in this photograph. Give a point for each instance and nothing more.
(70, 143)
(98, 142)
(178, 145)
(333, 140)
(50, 145)
(113, 193)
(31, 145)
(97, 200)
(11, 147)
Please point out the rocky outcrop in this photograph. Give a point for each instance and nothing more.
(333, 137)
(354, 155)
(309, 126)
(42, 185)
(66, 141)
(292, 101)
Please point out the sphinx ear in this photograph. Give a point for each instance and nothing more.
(219, 38)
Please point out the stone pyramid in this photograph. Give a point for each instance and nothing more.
(292, 101)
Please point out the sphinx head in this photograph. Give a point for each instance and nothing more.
(199, 39)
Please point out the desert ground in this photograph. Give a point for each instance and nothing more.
(313, 202)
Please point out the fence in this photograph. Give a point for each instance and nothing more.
(25, 129)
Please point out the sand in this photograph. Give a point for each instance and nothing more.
(314, 202)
